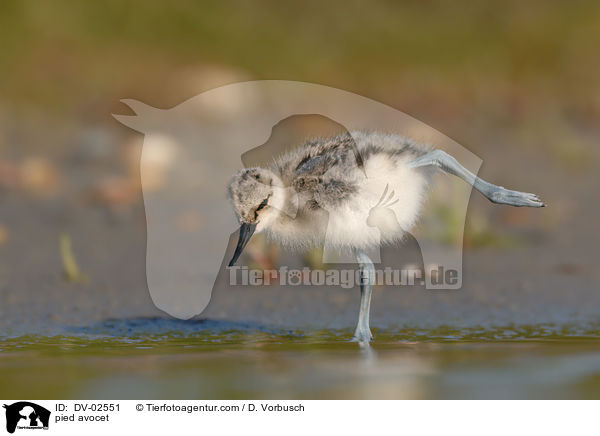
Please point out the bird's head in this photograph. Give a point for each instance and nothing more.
(257, 196)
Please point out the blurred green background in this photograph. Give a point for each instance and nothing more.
(445, 63)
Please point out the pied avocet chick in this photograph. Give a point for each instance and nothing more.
(362, 190)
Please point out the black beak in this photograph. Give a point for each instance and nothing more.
(246, 231)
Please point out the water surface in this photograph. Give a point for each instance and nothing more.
(163, 358)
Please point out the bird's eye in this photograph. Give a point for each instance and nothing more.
(261, 206)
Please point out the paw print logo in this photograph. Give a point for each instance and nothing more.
(294, 277)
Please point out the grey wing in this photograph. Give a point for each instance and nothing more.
(312, 165)
(309, 175)
(321, 170)
(322, 155)
(324, 189)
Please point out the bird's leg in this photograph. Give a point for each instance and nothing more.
(367, 279)
(496, 194)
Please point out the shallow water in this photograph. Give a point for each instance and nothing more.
(162, 358)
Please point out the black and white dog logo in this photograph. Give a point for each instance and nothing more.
(26, 415)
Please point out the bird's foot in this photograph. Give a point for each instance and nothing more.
(516, 198)
(362, 335)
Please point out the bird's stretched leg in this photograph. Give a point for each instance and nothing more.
(367, 279)
(496, 194)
